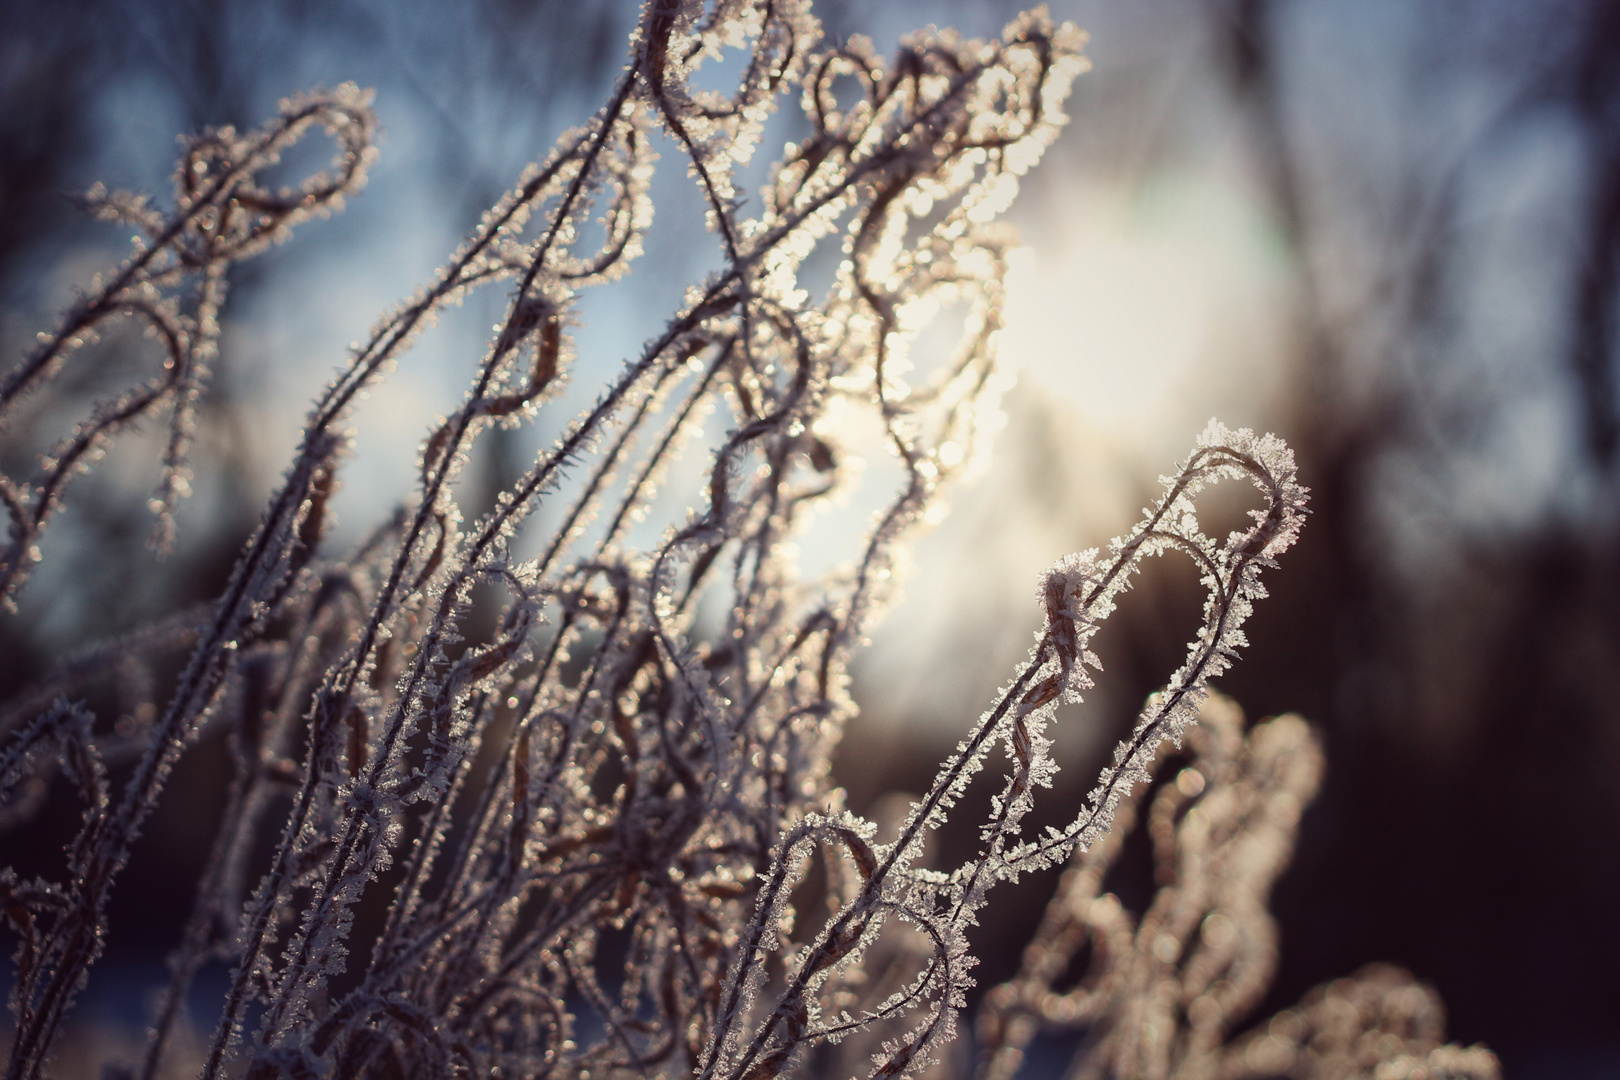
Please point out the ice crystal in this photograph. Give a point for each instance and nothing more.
(594, 818)
(1163, 990)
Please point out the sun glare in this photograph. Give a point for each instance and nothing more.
(1118, 324)
(1124, 318)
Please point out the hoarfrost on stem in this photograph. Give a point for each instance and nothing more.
(591, 816)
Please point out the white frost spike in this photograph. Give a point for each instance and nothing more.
(602, 823)
(1230, 573)
(1076, 595)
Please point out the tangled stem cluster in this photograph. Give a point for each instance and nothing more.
(590, 821)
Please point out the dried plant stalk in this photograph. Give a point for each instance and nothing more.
(587, 823)
(1163, 991)
(1077, 595)
(572, 813)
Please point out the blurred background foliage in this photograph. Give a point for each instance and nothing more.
(1388, 231)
